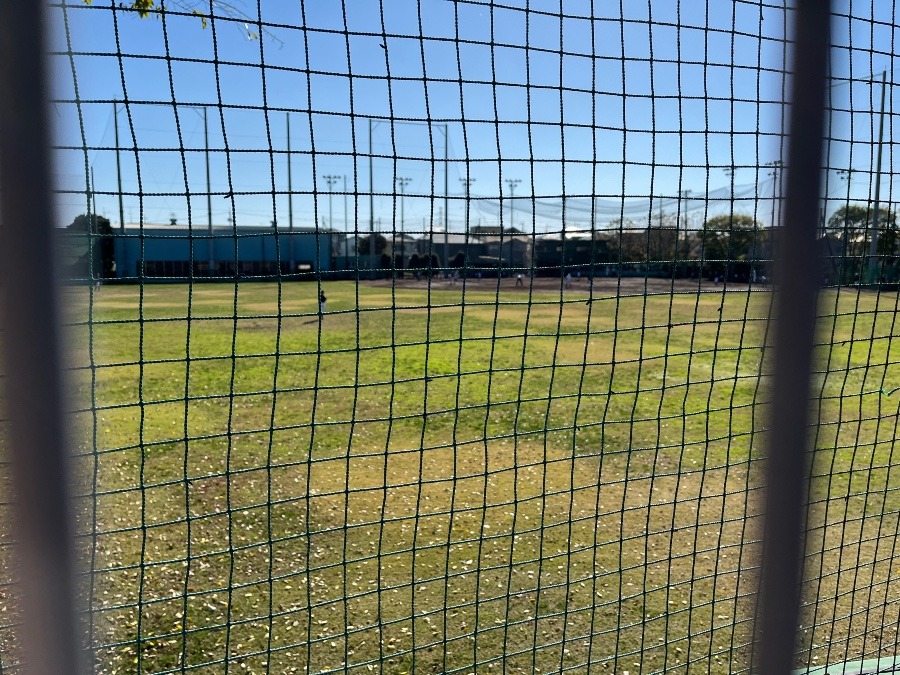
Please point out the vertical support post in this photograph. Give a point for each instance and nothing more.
(446, 197)
(123, 242)
(873, 242)
(290, 198)
(371, 208)
(93, 198)
(209, 223)
(118, 167)
(793, 330)
(32, 355)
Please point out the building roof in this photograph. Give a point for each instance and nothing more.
(199, 229)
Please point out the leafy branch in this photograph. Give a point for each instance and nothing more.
(223, 8)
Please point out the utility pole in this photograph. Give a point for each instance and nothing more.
(844, 175)
(511, 183)
(93, 199)
(776, 168)
(873, 244)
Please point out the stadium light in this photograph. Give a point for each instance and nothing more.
(402, 182)
(511, 182)
(467, 184)
(331, 179)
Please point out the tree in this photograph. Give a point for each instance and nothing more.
(729, 239)
(459, 260)
(103, 247)
(852, 224)
(627, 241)
(363, 247)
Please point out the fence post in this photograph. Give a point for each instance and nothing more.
(31, 350)
(795, 319)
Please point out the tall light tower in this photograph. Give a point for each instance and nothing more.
(511, 183)
(402, 182)
(346, 222)
(467, 185)
(332, 180)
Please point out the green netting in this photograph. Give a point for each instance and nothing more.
(524, 433)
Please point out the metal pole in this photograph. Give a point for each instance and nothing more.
(402, 182)
(511, 183)
(290, 184)
(467, 184)
(446, 197)
(290, 198)
(371, 208)
(331, 180)
(209, 222)
(42, 516)
(93, 199)
(123, 243)
(776, 165)
(346, 224)
(330, 206)
(788, 437)
(118, 167)
(873, 244)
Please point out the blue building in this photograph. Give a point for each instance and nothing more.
(171, 252)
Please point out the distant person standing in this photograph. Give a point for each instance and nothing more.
(519, 281)
(322, 300)
(568, 280)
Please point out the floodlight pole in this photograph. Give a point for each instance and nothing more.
(290, 198)
(119, 185)
(118, 166)
(446, 186)
(402, 182)
(511, 182)
(209, 222)
(467, 184)
(371, 208)
(873, 244)
(446, 197)
(331, 180)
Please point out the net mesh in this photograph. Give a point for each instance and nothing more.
(432, 336)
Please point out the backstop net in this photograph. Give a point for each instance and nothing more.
(432, 336)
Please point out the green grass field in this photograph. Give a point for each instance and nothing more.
(467, 479)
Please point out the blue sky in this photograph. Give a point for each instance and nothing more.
(626, 104)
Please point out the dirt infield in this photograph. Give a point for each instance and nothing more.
(602, 286)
